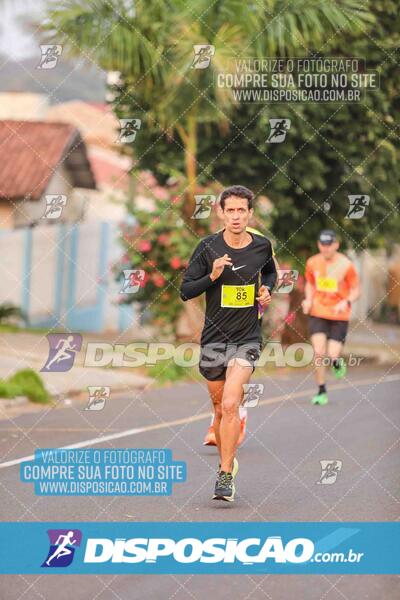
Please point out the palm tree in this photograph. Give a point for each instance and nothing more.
(151, 44)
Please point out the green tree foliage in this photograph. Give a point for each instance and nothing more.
(151, 44)
(331, 150)
(191, 126)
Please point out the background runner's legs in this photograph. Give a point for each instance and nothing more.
(334, 349)
(319, 344)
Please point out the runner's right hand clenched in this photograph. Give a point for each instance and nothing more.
(219, 265)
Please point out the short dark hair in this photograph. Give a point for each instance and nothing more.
(237, 190)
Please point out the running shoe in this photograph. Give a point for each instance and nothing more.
(209, 439)
(341, 370)
(225, 486)
(320, 399)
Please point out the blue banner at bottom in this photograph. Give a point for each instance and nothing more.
(200, 548)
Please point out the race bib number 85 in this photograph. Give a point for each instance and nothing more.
(327, 284)
(237, 296)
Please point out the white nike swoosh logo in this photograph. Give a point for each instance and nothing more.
(236, 268)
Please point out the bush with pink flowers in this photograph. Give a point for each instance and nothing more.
(161, 244)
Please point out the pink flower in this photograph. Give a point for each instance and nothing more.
(175, 262)
(160, 193)
(163, 239)
(158, 280)
(144, 246)
(290, 318)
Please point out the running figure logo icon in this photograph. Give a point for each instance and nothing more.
(204, 202)
(357, 206)
(133, 281)
(54, 205)
(50, 56)
(97, 397)
(63, 347)
(279, 129)
(286, 280)
(251, 394)
(202, 56)
(128, 130)
(329, 471)
(62, 547)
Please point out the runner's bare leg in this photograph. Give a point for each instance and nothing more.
(237, 374)
(216, 390)
(334, 349)
(318, 341)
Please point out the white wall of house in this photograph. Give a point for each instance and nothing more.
(23, 105)
(28, 212)
(43, 271)
(61, 276)
(106, 204)
(12, 258)
(372, 266)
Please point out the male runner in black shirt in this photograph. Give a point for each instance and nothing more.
(237, 271)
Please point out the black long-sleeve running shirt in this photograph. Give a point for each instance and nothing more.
(231, 306)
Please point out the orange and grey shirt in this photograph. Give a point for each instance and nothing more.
(332, 281)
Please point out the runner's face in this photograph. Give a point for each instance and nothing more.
(328, 250)
(236, 214)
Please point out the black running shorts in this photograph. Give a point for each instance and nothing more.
(333, 329)
(214, 358)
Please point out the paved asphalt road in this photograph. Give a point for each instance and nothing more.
(279, 468)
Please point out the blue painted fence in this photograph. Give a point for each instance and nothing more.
(60, 276)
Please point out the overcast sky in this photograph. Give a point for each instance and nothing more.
(14, 40)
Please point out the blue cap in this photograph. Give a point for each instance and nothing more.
(326, 237)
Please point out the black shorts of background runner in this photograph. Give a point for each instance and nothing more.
(214, 358)
(334, 329)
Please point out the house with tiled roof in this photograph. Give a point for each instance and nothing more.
(99, 128)
(41, 162)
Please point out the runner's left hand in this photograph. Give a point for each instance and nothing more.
(340, 307)
(264, 297)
